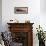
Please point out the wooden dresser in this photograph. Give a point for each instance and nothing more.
(22, 33)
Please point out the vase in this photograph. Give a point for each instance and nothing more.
(41, 43)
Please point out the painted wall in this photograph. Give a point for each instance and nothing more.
(43, 6)
(8, 11)
(0, 15)
(43, 14)
(34, 14)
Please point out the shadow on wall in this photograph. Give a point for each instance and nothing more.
(43, 6)
(0, 15)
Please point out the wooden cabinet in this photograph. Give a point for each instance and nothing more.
(22, 33)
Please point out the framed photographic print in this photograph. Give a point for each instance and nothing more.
(21, 10)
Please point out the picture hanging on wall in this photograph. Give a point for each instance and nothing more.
(21, 10)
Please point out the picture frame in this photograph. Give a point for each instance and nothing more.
(21, 10)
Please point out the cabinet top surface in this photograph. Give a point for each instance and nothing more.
(19, 23)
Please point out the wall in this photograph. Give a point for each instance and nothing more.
(8, 10)
(43, 6)
(43, 14)
(34, 14)
(0, 15)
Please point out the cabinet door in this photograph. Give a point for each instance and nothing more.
(20, 37)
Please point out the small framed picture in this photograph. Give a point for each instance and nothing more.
(21, 10)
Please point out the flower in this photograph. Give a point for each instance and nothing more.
(40, 33)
